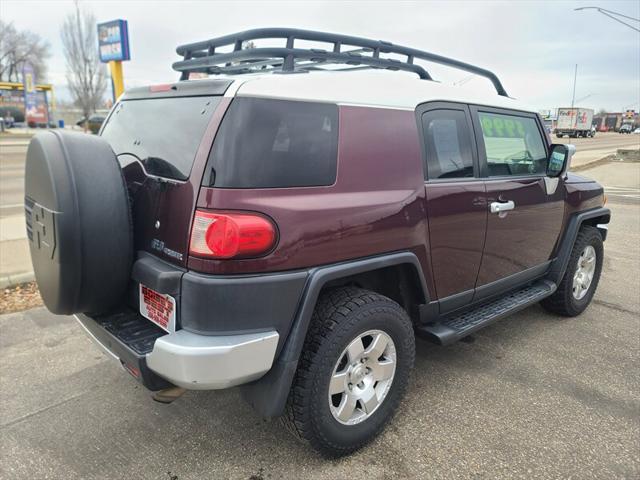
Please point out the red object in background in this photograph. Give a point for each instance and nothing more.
(160, 88)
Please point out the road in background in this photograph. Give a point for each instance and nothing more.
(12, 158)
(15, 262)
(591, 149)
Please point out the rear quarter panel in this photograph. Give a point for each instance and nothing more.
(376, 205)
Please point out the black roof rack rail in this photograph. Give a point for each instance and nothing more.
(202, 56)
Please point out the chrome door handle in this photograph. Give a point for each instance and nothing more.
(497, 207)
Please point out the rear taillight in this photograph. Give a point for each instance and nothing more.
(229, 235)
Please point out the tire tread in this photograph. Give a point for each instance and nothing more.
(334, 307)
(561, 302)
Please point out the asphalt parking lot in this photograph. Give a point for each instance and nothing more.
(533, 396)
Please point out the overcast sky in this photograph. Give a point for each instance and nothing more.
(532, 46)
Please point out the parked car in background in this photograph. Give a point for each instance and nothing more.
(636, 131)
(94, 123)
(291, 233)
(626, 128)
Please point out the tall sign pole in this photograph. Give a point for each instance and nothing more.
(113, 41)
(29, 87)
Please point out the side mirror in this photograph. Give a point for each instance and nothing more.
(559, 159)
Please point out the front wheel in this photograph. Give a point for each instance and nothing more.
(353, 371)
(580, 281)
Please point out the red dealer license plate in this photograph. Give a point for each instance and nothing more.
(159, 308)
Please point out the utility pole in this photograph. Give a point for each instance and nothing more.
(575, 77)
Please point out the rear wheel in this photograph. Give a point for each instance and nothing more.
(353, 371)
(581, 278)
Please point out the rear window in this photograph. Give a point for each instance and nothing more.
(265, 143)
(163, 133)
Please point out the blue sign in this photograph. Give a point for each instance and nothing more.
(113, 41)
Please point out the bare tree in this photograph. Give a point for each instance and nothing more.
(85, 74)
(18, 48)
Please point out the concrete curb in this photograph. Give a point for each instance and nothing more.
(617, 157)
(593, 163)
(16, 279)
(14, 143)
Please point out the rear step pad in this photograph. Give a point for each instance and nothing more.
(132, 329)
(459, 325)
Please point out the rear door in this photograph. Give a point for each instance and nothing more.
(162, 138)
(525, 207)
(456, 206)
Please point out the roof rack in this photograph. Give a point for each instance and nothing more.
(355, 52)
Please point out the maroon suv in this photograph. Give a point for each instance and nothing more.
(290, 225)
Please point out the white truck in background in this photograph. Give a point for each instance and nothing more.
(575, 122)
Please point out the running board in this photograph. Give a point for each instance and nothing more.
(459, 325)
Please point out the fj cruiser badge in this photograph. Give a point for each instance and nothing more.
(159, 246)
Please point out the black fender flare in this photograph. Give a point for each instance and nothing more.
(268, 395)
(559, 265)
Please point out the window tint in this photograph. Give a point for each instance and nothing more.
(163, 133)
(514, 145)
(265, 143)
(448, 144)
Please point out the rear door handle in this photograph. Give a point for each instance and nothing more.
(497, 207)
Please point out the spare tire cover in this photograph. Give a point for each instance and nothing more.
(78, 222)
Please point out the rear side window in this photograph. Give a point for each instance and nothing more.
(513, 144)
(162, 133)
(264, 143)
(448, 144)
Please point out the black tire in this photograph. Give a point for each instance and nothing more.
(342, 315)
(78, 222)
(563, 301)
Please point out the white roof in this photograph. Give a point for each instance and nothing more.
(371, 88)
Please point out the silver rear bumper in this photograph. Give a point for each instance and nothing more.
(191, 361)
(200, 362)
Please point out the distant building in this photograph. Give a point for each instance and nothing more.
(12, 102)
(611, 122)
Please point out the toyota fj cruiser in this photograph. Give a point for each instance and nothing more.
(290, 224)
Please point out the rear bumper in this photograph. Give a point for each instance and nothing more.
(185, 359)
(201, 362)
(229, 329)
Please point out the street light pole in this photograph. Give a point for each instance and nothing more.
(575, 77)
(611, 14)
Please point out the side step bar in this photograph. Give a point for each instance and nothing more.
(459, 325)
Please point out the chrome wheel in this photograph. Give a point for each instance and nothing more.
(585, 271)
(362, 377)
